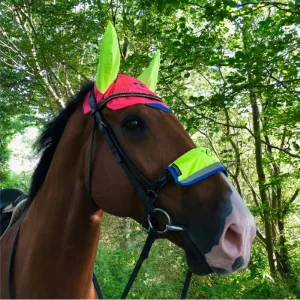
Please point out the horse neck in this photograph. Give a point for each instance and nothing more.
(60, 233)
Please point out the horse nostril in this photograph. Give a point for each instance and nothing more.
(232, 242)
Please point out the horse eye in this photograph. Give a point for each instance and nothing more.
(133, 124)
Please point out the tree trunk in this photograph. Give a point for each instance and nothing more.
(283, 260)
(261, 183)
(259, 164)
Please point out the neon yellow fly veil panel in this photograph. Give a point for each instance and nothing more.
(195, 165)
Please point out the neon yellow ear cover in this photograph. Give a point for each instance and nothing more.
(150, 75)
(109, 59)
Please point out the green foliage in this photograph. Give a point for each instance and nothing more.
(230, 72)
(19, 181)
(162, 274)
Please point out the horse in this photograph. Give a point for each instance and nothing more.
(118, 148)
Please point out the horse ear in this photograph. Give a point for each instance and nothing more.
(109, 59)
(150, 75)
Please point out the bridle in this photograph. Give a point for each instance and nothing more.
(147, 196)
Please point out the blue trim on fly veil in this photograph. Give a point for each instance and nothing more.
(175, 176)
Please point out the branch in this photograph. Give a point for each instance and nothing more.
(267, 3)
(8, 47)
(234, 146)
(114, 18)
(289, 202)
(283, 137)
(281, 83)
(261, 238)
(210, 142)
(15, 62)
(74, 69)
(69, 89)
(250, 11)
(14, 48)
(281, 149)
(196, 4)
(262, 2)
(26, 17)
(254, 195)
(59, 81)
(6, 63)
(66, 86)
(269, 150)
(237, 184)
(38, 69)
(234, 176)
(112, 13)
(221, 74)
(208, 81)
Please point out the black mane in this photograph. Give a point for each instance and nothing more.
(50, 137)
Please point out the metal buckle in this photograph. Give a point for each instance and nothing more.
(169, 226)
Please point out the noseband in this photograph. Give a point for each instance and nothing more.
(146, 190)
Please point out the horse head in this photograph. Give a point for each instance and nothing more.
(144, 144)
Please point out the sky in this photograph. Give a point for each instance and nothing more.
(22, 156)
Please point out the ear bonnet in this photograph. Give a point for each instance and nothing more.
(109, 84)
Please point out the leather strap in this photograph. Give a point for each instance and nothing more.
(152, 235)
(97, 287)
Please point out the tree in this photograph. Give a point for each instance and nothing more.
(230, 71)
